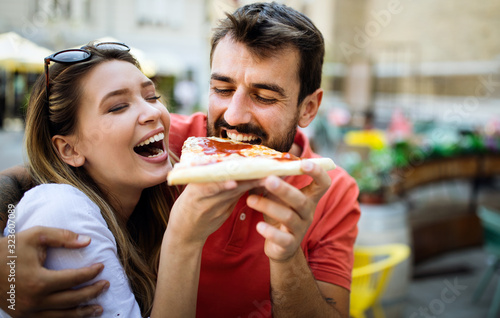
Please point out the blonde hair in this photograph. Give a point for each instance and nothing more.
(139, 240)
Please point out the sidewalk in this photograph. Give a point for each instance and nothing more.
(448, 294)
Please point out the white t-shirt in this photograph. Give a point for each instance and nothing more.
(63, 206)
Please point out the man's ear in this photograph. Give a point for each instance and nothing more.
(65, 146)
(309, 107)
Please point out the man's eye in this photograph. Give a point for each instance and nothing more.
(265, 100)
(223, 92)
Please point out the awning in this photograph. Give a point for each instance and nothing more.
(20, 54)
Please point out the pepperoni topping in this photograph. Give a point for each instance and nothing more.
(216, 147)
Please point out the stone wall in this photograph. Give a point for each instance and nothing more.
(402, 37)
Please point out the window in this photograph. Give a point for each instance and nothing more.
(169, 13)
(65, 10)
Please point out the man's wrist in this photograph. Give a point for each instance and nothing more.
(287, 260)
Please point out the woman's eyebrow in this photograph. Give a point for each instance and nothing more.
(147, 83)
(122, 91)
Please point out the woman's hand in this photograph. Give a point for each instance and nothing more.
(198, 212)
(202, 208)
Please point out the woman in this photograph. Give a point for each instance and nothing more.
(97, 139)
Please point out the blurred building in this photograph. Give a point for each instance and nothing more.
(435, 59)
(162, 28)
(171, 34)
(421, 56)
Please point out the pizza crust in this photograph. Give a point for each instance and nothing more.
(242, 169)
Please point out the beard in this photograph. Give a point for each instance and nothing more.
(282, 142)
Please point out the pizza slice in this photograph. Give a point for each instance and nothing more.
(212, 159)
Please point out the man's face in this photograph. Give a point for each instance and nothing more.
(253, 100)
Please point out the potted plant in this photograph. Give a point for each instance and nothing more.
(372, 175)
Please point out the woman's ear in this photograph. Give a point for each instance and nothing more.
(309, 107)
(65, 146)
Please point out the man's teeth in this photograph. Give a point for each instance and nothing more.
(151, 139)
(239, 137)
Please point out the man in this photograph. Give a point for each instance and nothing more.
(266, 62)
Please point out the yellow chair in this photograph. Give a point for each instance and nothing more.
(372, 268)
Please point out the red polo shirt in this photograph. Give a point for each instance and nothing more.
(235, 276)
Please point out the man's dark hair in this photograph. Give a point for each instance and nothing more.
(269, 28)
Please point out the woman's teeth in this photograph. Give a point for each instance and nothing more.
(160, 151)
(151, 139)
(151, 147)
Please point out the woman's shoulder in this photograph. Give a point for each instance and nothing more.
(54, 188)
(54, 205)
(58, 194)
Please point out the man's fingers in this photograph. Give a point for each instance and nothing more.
(278, 237)
(290, 196)
(69, 278)
(54, 237)
(321, 181)
(85, 311)
(76, 297)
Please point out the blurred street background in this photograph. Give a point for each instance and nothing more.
(411, 111)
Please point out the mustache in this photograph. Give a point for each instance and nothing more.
(244, 129)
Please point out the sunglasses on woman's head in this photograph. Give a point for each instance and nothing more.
(72, 56)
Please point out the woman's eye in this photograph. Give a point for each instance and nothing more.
(154, 98)
(117, 108)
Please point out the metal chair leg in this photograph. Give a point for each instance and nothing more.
(495, 303)
(485, 279)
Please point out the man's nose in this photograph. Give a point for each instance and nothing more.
(239, 109)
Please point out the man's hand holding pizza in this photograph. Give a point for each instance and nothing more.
(288, 214)
(288, 211)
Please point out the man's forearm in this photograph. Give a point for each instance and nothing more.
(295, 293)
(13, 183)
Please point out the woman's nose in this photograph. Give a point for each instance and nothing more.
(149, 113)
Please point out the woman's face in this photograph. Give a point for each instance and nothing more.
(122, 129)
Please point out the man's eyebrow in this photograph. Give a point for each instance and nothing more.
(222, 78)
(270, 87)
(266, 86)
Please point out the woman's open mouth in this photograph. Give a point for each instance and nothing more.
(151, 147)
